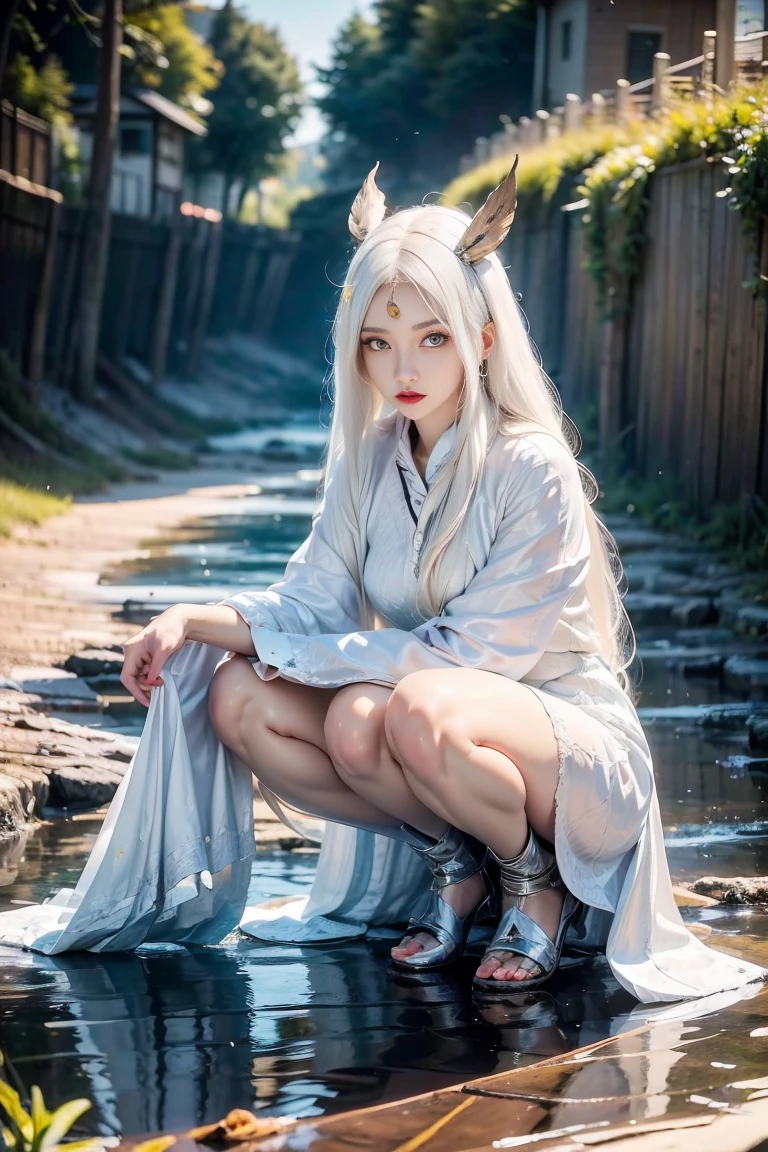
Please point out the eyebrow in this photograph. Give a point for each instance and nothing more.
(424, 324)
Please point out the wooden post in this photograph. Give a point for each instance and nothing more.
(726, 47)
(572, 112)
(598, 108)
(540, 124)
(623, 106)
(38, 334)
(212, 253)
(161, 333)
(708, 65)
(661, 62)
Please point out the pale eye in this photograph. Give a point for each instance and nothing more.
(435, 339)
(376, 343)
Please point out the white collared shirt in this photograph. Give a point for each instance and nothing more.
(519, 606)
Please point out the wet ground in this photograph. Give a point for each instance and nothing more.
(168, 1037)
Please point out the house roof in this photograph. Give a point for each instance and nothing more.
(84, 104)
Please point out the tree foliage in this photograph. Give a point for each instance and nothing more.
(167, 55)
(257, 103)
(415, 85)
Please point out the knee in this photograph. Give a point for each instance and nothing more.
(354, 732)
(422, 722)
(229, 695)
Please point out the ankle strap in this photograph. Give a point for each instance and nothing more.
(534, 870)
(455, 857)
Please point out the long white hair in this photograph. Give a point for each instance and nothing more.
(417, 245)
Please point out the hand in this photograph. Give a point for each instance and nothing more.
(145, 653)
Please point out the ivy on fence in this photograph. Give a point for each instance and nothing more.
(734, 131)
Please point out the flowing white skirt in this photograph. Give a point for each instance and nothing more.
(173, 860)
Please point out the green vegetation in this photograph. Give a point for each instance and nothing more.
(739, 530)
(22, 505)
(40, 1130)
(543, 170)
(414, 84)
(610, 166)
(733, 132)
(164, 53)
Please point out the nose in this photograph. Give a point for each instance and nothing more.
(406, 372)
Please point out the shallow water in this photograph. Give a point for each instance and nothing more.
(169, 1037)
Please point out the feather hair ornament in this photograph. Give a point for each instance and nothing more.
(368, 207)
(492, 222)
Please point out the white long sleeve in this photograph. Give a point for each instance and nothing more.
(502, 622)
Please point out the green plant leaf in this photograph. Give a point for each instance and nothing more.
(20, 1120)
(62, 1120)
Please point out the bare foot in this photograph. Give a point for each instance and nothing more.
(543, 907)
(461, 897)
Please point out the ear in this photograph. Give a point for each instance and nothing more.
(492, 222)
(488, 335)
(368, 207)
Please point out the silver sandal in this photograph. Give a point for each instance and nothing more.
(534, 870)
(455, 857)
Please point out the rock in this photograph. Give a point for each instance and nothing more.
(757, 727)
(733, 889)
(686, 898)
(745, 675)
(727, 717)
(10, 685)
(53, 683)
(94, 662)
(694, 613)
(752, 621)
(647, 608)
(704, 637)
(698, 665)
(639, 539)
(731, 717)
(83, 786)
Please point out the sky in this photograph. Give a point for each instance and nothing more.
(307, 28)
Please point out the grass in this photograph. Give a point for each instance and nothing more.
(542, 169)
(22, 505)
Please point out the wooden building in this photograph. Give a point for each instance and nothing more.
(149, 166)
(585, 46)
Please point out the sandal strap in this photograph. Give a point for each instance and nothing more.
(455, 857)
(534, 870)
(518, 934)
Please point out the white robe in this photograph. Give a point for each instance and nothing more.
(173, 858)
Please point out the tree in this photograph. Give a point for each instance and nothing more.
(168, 56)
(414, 86)
(93, 268)
(258, 102)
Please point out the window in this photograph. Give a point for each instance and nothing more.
(566, 39)
(134, 142)
(641, 49)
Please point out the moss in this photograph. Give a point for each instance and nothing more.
(23, 505)
(543, 169)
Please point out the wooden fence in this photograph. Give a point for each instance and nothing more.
(168, 284)
(679, 378)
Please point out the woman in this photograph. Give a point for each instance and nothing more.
(444, 661)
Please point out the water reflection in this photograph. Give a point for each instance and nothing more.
(168, 1037)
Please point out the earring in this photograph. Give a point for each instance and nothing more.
(484, 374)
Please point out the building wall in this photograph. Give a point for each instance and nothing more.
(682, 25)
(565, 76)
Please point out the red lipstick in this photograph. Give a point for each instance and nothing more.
(409, 397)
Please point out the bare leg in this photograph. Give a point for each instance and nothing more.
(276, 728)
(361, 754)
(481, 748)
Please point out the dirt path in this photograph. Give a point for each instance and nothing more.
(47, 573)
